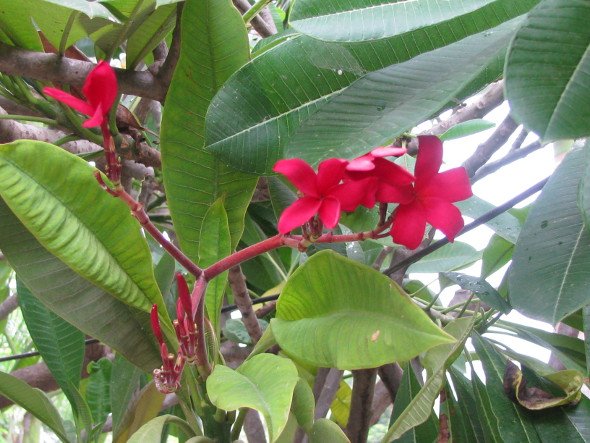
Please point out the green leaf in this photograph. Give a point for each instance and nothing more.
(143, 409)
(324, 430)
(505, 225)
(34, 401)
(427, 428)
(467, 406)
(455, 255)
(482, 289)
(265, 383)
(334, 312)
(497, 253)
(586, 314)
(93, 233)
(125, 382)
(460, 429)
(235, 330)
(253, 120)
(553, 238)
(547, 80)
(214, 45)
(303, 405)
(151, 432)
(75, 299)
(215, 244)
(149, 34)
(60, 344)
(419, 407)
(467, 128)
(513, 423)
(98, 389)
(361, 20)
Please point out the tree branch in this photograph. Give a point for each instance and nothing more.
(363, 388)
(237, 281)
(8, 306)
(512, 156)
(53, 68)
(261, 25)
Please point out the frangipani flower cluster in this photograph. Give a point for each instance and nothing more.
(427, 196)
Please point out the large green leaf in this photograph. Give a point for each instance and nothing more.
(418, 408)
(265, 383)
(513, 423)
(60, 202)
(361, 20)
(34, 401)
(550, 275)
(334, 312)
(215, 245)
(214, 45)
(548, 70)
(467, 406)
(387, 102)
(72, 297)
(60, 344)
(256, 114)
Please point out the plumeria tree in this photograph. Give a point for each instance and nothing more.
(231, 221)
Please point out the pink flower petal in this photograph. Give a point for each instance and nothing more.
(392, 173)
(409, 225)
(387, 193)
(444, 216)
(300, 174)
(429, 158)
(330, 212)
(361, 164)
(298, 214)
(100, 87)
(68, 99)
(452, 185)
(353, 193)
(388, 151)
(330, 172)
(96, 120)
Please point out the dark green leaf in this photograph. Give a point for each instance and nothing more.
(553, 238)
(497, 253)
(98, 388)
(125, 382)
(547, 81)
(214, 45)
(482, 289)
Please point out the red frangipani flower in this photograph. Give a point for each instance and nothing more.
(433, 195)
(100, 90)
(321, 193)
(392, 183)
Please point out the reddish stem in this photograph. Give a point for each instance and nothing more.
(113, 165)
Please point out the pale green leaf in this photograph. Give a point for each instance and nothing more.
(264, 382)
(505, 225)
(142, 411)
(467, 128)
(303, 405)
(455, 255)
(214, 45)
(324, 430)
(151, 432)
(72, 297)
(334, 312)
(90, 231)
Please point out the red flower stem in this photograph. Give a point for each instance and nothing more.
(113, 165)
(144, 220)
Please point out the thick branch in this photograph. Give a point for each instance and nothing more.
(359, 420)
(325, 387)
(237, 281)
(7, 306)
(512, 156)
(262, 23)
(485, 150)
(53, 68)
